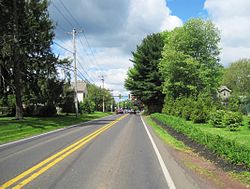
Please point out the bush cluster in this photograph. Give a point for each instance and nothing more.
(195, 109)
(216, 118)
(231, 150)
(87, 106)
(38, 110)
(223, 119)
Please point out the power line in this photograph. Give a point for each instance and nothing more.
(69, 13)
(73, 18)
(62, 47)
(78, 62)
(62, 14)
(85, 71)
(67, 10)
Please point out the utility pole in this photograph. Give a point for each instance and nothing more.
(103, 104)
(73, 33)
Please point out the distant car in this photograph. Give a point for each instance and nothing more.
(119, 111)
(132, 111)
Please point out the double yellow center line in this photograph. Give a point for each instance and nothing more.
(33, 172)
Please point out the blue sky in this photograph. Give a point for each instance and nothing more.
(186, 9)
(115, 27)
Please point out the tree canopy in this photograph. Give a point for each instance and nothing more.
(237, 77)
(28, 67)
(190, 59)
(144, 79)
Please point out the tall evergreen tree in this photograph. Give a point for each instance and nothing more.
(27, 63)
(144, 79)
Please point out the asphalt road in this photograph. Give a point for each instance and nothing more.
(119, 155)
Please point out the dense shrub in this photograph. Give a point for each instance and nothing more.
(200, 110)
(233, 120)
(47, 111)
(227, 148)
(189, 108)
(87, 106)
(187, 104)
(168, 106)
(222, 119)
(234, 103)
(68, 103)
(216, 118)
(29, 110)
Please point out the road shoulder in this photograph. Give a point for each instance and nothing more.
(185, 163)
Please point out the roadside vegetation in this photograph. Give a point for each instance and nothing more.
(199, 98)
(161, 131)
(31, 83)
(235, 149)
(11, 129)
(165, 136)
(33, 93)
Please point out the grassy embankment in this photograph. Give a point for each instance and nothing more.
(11, 130)
(232, 146)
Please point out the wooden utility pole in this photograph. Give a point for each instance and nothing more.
(75, 70)
(73, 33)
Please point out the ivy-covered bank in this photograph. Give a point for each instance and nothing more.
(231, 146)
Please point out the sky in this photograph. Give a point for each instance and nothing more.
(109, 30)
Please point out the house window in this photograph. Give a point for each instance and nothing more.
(83, 95)
(225, 94)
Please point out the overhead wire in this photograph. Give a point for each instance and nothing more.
(75, 20)
(77, 68)
(67, 20)
(62, 47)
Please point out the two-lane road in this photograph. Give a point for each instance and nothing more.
(113, 152)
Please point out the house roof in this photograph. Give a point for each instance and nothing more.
(81, 85)
(224, 88)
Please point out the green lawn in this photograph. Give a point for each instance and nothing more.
(11, 130)
(242, 136)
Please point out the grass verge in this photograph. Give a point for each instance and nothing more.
(227, 148)
(165, 136)
(243, 176)
(11, 130)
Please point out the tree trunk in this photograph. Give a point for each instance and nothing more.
(16, 67)
(17, 83)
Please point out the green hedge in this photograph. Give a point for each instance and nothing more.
(223, 118)
(226, 148)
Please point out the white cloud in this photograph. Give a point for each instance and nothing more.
(233, 19)
(113, 28)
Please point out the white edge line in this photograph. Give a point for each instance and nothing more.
(51, 132)
(165, 171)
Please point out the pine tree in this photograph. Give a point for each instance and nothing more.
(144, 79)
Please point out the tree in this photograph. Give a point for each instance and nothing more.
(12, 18)
(237, 77)
(28, 68)
(190, 62)
(95, 94)
(144, 79)
(67, 103)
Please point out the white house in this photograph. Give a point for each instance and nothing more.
(224, 92)
(82, 91)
